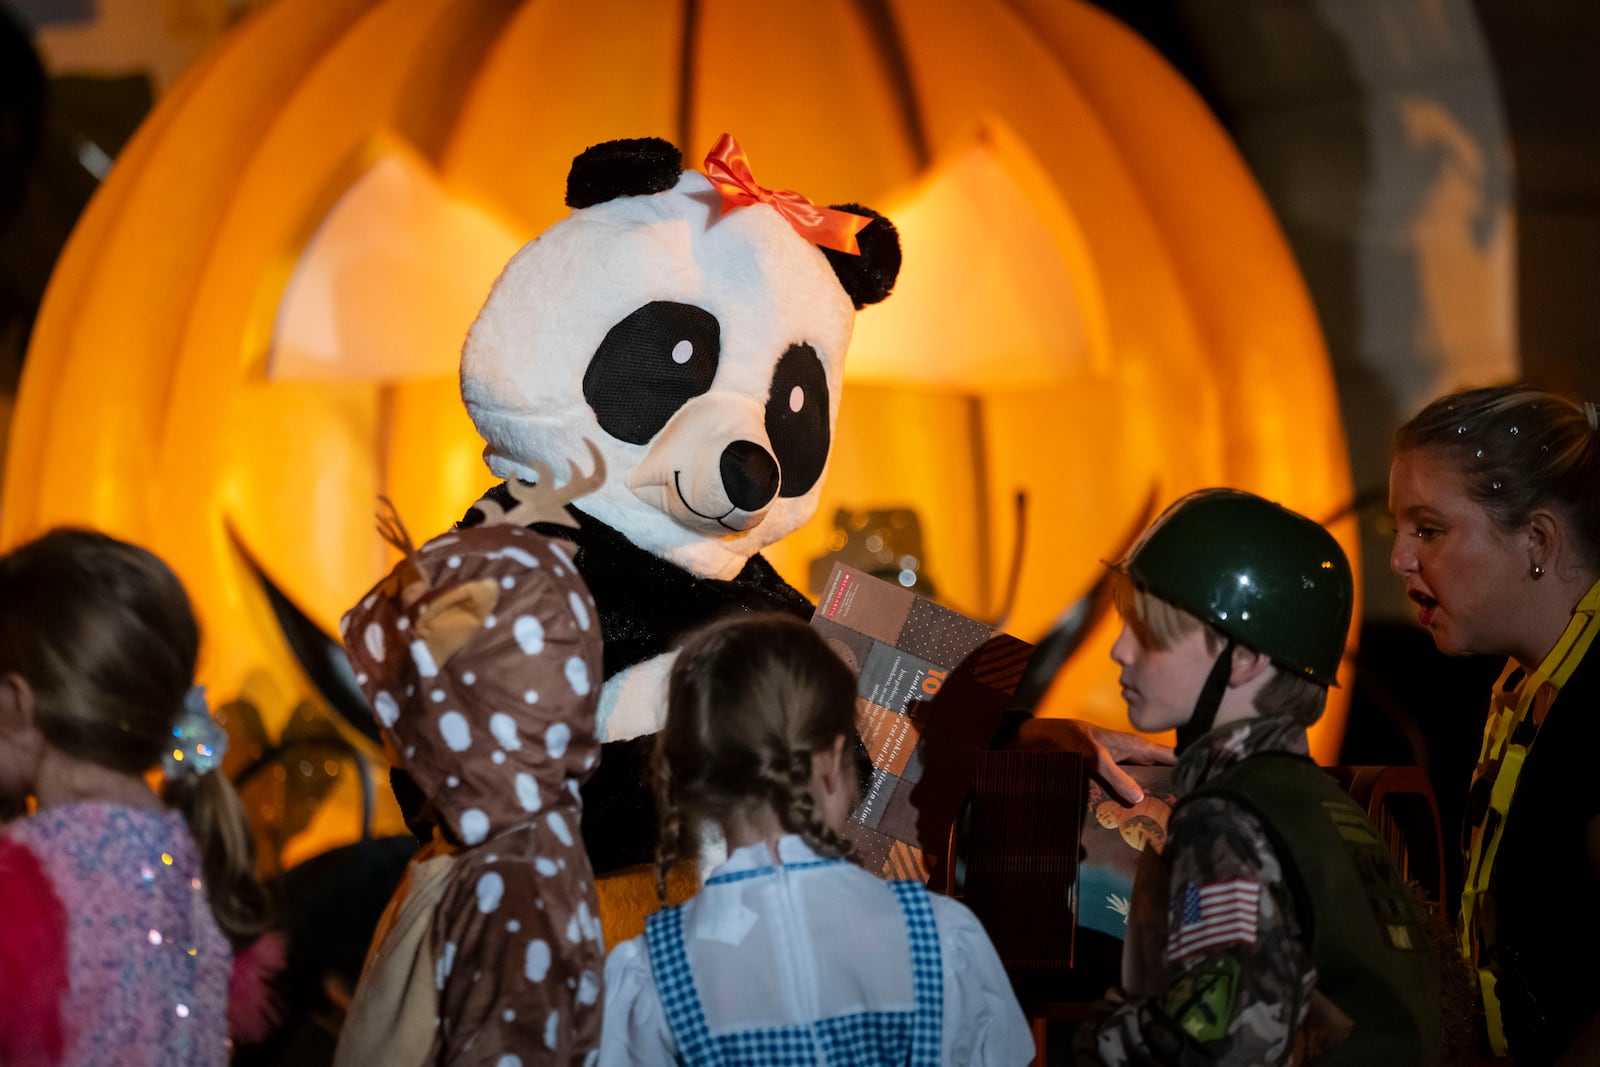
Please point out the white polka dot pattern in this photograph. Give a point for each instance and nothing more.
(374, 639)
(474, 826)
(517, 556)
(387, 710)
(578, 676)
(589, 921)
(422, 656)
(504, 729)
(537, 961)
(529, 633)
(580, 610)
(491, 887)
(455, 731)
(528, 791)
(441, 969)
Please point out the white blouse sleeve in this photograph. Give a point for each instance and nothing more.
(983, 1023)
(633, 1027)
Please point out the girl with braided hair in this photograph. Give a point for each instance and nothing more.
(790, 953)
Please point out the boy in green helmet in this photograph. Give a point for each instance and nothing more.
(1274, 893)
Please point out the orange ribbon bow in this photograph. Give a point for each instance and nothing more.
(729, 171)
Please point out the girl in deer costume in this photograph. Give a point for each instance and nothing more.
(480, 654)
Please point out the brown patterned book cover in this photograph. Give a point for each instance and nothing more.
(933, 684)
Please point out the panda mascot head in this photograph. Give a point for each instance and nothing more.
(693, 326)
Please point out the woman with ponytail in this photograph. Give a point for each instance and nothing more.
(122, 907)
(791, 953)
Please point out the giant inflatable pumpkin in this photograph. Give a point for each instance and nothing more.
(254, 330)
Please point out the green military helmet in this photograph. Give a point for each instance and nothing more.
(1265, 576)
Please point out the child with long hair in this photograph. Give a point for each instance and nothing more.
(791, 953)
(120, 906)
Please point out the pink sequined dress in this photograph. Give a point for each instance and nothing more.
(146, 965)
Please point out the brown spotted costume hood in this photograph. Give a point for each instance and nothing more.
(481, 655)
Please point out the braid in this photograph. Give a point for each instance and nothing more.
(669, 846)
(789, 781)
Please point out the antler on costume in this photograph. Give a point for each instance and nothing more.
(544, 501)
(393, 530)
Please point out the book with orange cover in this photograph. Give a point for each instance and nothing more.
(933, 684)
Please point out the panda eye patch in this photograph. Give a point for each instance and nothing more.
(797, 419)
(650, 364)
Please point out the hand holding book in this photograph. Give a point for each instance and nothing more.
(1103, 749)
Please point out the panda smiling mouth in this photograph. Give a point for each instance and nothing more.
(678, 488)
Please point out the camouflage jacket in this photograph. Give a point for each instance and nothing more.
(1215, 968)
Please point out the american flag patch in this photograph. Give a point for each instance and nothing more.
(1210, 916)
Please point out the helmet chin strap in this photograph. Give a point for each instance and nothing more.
(1205, 708)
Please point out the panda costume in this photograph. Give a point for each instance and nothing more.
(689, 328)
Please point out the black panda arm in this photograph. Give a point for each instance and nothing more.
(619, 806)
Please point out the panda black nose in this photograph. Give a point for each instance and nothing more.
(749, 474)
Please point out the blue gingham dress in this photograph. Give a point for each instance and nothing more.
(810, 961)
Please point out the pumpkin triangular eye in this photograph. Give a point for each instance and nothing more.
(1024, 311)
(388, 284)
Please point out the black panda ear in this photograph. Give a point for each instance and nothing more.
(636, 167)
(869, 277)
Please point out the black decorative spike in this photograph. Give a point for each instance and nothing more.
(1074, 624)
(869, 277)
(635, 167)
(320, 656)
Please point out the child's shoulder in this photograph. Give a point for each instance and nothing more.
(76, 839)
(92, 817)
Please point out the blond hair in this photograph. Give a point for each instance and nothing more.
(1159, 624)
(749, 700)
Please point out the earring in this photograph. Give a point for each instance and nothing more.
(1538, 572)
